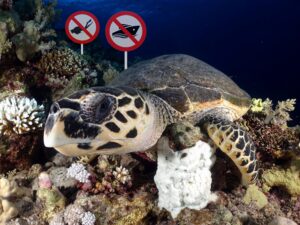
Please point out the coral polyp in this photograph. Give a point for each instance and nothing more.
(20, 115)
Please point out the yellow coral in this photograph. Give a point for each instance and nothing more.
(257, 105)
(288, 178)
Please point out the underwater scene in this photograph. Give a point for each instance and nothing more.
(149, 112)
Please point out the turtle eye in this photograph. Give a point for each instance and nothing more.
(54, 108)
(104, 109)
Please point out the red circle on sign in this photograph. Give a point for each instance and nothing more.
(91, 37)
(138, 43)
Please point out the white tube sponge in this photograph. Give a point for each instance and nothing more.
(183, 178)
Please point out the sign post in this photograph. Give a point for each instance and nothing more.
(82, 27)
(125, 31)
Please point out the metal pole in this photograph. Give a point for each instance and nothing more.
(125, 60)
(81, 50)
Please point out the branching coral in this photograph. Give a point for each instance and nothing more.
(20, 115)
(78, 172)
(279, 116)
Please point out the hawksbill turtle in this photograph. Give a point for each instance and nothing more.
(132, 112)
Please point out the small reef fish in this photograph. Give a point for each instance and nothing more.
(131, 29)
(77, 30)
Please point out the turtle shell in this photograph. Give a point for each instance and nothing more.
(186, 83)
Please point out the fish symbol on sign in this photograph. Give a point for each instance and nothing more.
(131, 29)
(77, 30)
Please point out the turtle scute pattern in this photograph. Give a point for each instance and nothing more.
(236, 143)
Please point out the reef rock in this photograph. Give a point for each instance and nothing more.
(183, 178)
(282, 221)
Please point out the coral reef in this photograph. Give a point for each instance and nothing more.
(107, 71)
(278, 116)
(271, 140)
(25, 36)
(59, 66)
(20, 115)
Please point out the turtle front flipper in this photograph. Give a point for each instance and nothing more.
(235, 143)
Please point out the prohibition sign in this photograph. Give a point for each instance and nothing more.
(126, 31)
(82, 27)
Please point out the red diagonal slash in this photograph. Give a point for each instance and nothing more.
(82, 27)
(125, 31)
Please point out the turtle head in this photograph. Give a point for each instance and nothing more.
(96, 121)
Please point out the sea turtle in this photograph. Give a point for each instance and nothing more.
(132, 113)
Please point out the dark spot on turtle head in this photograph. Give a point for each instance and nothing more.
(109, 145)
(49, 124)
(132, 114)
(112, 127)
(84, 146)
(75, 128)
(79, 94)
(124, 101)
(246, 138)
(238, 155)
(138, 103)
(66, 103)
(132, 133)
(183, 155)
(251, 168)
(119, 116)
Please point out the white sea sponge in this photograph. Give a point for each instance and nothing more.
(78, 172)
(20, 115)
(183, 178)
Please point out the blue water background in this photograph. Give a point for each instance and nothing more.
(255, 42)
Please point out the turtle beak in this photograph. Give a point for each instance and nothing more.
(65, 126)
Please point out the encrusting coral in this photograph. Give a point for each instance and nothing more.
(20, 115)
(288, 178)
